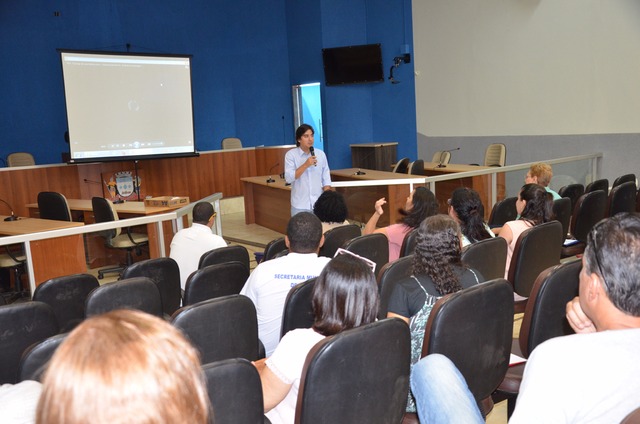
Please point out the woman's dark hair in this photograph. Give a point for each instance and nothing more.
(424, 205)
(470, 211)
(539, 206)
(438, 251)
(330, 207)
(301, 130)
(345, 296)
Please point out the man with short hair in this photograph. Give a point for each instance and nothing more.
(541, 173)
(270, 282)
(189, 244)
(592, 376)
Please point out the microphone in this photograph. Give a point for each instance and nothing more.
(364, 158)
(271, 180)
(91, 181)
(13, 217)
(441, 164)
(313, 153)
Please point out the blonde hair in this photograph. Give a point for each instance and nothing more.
(543, 172)
(124, 367)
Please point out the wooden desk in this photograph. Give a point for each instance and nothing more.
(53, 257)
(267, 204)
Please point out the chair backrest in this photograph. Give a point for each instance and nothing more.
(416, 167)
(67, 296)
(503, 211)
(166, 274)
(367, 392)
(139, 293)
(372, 246)
(441, 157)
(231, 143)
(20, 159)
(298, 307)
(21, 325)
(573, 192)
(103, 211)
(478, 342)
(35, 359)
(409, 243)
(488, 257)
(235, 391)
(388, 277)
(545, 313)
(215, 281)
(337, 237)
(622, 198)
(536, 249)
(562, 211)
(590, 208)
(495, 155)
(602, 184)
(402, 166)
(221, 255)
(221, 328)
(626, 178)
(273, 248)
(53, 205)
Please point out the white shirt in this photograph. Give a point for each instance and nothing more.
(189, 244)
(18, 402)
(309, 186)
(268, 286)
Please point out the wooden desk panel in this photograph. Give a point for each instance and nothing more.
(377, 156)
(267, 204)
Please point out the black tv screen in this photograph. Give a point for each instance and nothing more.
(353, 64)
(124, 106)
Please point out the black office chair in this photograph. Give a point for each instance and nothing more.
(337, 237)
(388, 277)
(371, 246)
(139, 293)
(622, 198)
(590, 208)
(573, 192)
(215, 281)
(626, 178)
(164, 272)
(221, 255)
(409, 243)
(488, 257)
(274, 248)
(298, 307)
(35, 359)
(53, 205)
(562, 212)
(503, 211)
(402, 166)
(601, 184)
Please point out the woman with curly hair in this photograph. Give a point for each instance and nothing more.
(466, 208)
(331, 209)
(421, 203)
(534, 206)
(437, 270)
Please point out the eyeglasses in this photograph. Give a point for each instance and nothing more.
(369, 262)
(594, 239)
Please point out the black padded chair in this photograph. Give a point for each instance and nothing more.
(416, 167)
(371, 246)
(473, 328)
(35, 359)
(573, 192)
(337, 237)
(409, 243)
(215, 281)
(298, 307)
(602, 184)
(626, 178)
(590, 209)
(402, 166)
(536, 249)
(222, 255)
(166, 274)
(562, 212)
(67, 296)
(357, 376)
(503, 211)
(274, 248)
(53, 205)
(488, 257)
(139, 293)
(21, 325)
(622, 198)
(388, 277)
(235, 391)
(221, 328)
(544, 318)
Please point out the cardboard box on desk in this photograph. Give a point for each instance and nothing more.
(166, 201)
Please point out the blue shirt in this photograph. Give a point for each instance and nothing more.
(306, 189)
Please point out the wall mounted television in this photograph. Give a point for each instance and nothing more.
(123, 106)
(353, 64)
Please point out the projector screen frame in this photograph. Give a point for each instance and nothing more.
(186, 148)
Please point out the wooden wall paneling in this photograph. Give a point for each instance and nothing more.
(271, 157)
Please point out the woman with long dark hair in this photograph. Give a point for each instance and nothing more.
(466, 208)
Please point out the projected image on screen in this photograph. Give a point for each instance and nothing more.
(127, 106)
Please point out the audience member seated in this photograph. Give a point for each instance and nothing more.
(270, 282)
(534, 206)
(587, 377)
(466, 208)
(421, 203)
(190, 243)
(331, 209)
(124, 366)
(541, 173)
(345, 296)
(18, 402)
(437, 270)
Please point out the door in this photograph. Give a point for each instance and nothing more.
(307, 109)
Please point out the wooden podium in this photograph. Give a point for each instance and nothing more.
(379, 156)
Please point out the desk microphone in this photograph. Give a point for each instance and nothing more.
(13, 217)
(363, 160)
(313, 153)
(441, 164)
(271, 180)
